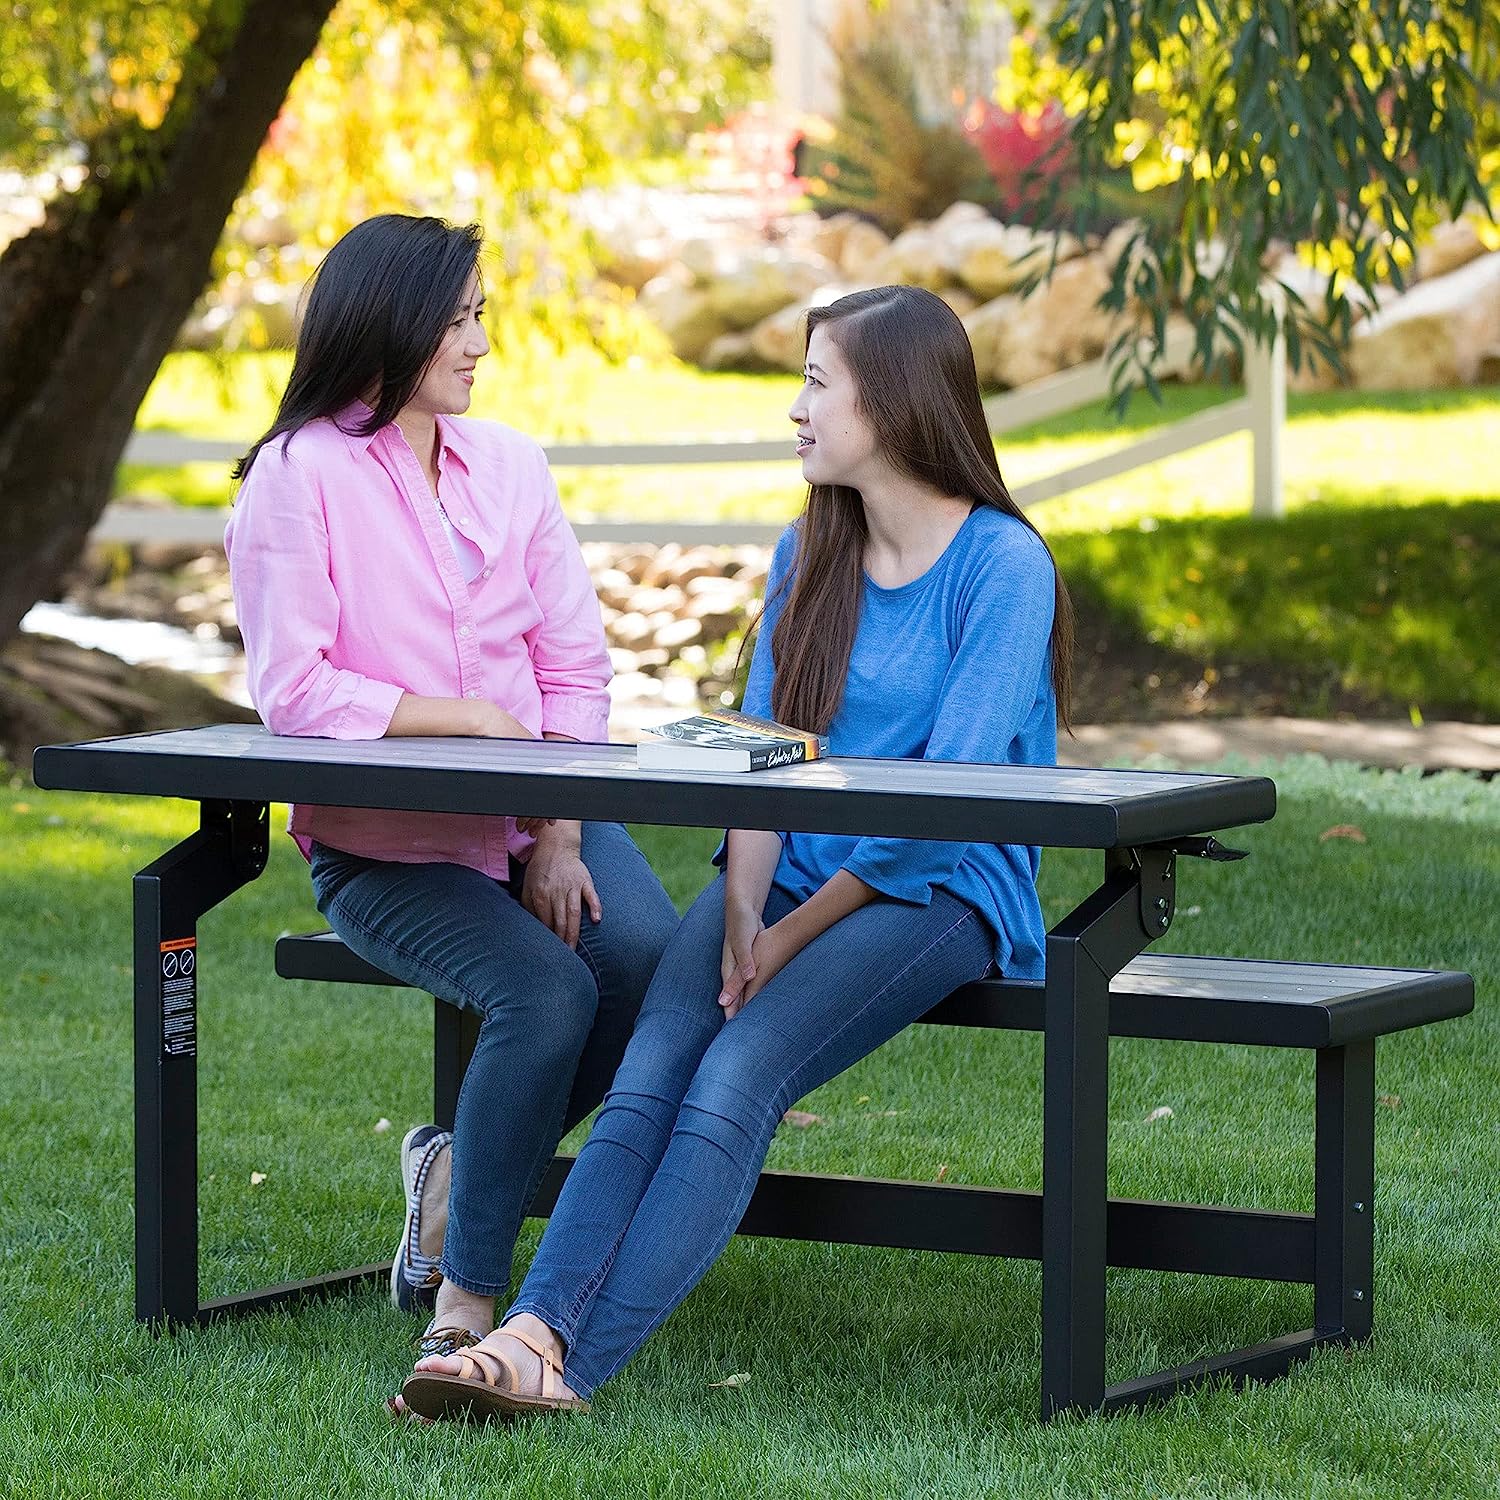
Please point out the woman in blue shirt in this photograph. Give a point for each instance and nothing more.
(912, 611)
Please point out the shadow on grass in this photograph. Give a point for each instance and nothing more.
(1369, 608)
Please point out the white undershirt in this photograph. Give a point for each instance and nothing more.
(466, 554)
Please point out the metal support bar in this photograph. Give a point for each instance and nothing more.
(170, 894)
(454, 1034)
(1084, 952)
(1257, 1362)
(1345, 1191)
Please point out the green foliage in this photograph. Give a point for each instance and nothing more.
(883, 159)
(1342, 129)
(494, 110)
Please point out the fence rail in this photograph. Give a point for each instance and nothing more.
(1261, 411)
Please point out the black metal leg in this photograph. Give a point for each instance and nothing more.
(1084, 952)
(454, 1033)
(1345, 1192)
(1076, 1179)
(170, 895)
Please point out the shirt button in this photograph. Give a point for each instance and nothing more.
(486, 572)
(465, 632)
(466, 520)
(472, 693)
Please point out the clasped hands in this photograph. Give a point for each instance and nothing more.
(753, 955)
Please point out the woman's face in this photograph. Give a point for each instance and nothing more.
(449, 377)
(834, 442)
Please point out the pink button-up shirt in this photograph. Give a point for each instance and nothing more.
(348, 594)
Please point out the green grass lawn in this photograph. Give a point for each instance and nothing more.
(873, 1373)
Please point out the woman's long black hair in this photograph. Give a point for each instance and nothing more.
(377, 310)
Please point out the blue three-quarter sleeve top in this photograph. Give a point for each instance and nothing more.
(955, 665)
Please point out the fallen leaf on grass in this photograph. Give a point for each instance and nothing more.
(801, 1119)
(382, 1125)
(730, 1382)
(1391, 1101)
(256, 1178)
(1350, 831)
(942, 1172)
(1161, 1112)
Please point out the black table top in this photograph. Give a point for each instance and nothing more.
(1051, 805)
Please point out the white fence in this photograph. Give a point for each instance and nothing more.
(1261, 411)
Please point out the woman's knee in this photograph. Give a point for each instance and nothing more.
(549, 1011)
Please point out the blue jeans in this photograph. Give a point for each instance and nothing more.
(669, 1167)
(553, 1022)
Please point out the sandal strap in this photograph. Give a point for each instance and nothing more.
(551, 1370)
(469, 1364)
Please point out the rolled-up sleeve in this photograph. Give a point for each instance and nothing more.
(288, 610)
(568, 653)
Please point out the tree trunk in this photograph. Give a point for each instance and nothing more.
(91, 301)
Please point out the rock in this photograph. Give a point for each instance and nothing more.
(630, 630)
(684, 314)
(631, 262)
(1439, 334)
(781, 339)
(757, 288)
(166, 557)
(830, 236)
(915, 258)
(960, 213)
(678, 633)
(634, 687)
(1017, 340)
(988, 327)
(864, 250)
(649, 601)
(661, 565)
(614, 587)
(961, 301)
(1454, 244)
(991, 258)
(732, 351)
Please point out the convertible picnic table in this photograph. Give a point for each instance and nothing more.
(1143, 821)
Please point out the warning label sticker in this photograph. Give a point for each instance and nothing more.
(179, 997)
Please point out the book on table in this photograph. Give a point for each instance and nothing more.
(721, 739)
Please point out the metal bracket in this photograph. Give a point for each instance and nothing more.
(1154, 867)
(246, 826)
(1208, 847)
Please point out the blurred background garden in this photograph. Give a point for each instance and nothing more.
(1230, 269)
(664, 196)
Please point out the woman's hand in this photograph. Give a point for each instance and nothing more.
(558, 884)
(742, 926)
(774, 949)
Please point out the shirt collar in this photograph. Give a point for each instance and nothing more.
(451, 436)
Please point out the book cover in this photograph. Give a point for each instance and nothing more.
(722, 739)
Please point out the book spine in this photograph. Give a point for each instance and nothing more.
(778, 755)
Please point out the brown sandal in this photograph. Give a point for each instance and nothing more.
(476, 1390)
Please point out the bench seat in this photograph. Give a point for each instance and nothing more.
(1335, 1010)
(1168, 996)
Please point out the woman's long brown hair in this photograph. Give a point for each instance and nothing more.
(917, 388)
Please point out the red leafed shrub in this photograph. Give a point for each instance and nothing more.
(1020, 150)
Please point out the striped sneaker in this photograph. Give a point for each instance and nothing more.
(426, 1166)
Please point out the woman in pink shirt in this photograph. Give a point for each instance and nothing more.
(399, 570)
